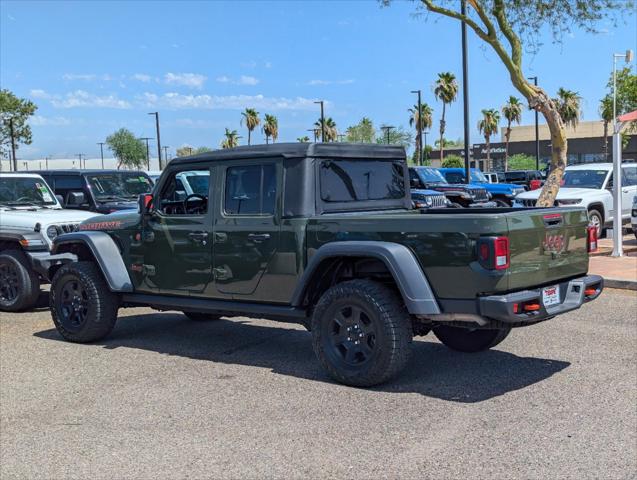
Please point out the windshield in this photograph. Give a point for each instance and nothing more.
(360, 180)
(118, 186)
(584, 178)
(430, 175)
(16, 191)
(478, 177)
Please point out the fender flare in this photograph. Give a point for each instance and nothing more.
(105, 252)
(399, 260)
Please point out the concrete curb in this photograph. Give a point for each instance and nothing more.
(620, 284)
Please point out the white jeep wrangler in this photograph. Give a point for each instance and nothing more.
(30, 218)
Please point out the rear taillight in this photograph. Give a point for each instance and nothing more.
(591, 238)
(494, 253)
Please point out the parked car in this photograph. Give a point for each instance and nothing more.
(325, 235)
(494, 177)
(501, 193)
(30, 218)
(590, 185)
(423, 198)
(530, 179)
(633, 216)
(459, 195)
(101, 191)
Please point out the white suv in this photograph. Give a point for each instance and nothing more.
(591, 185)
(30, 218)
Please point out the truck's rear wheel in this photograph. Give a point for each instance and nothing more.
(82, 306)
(19, 285)
(501, 203)
(467, 340)
(596, 219)
(361, 333)
(202, 317)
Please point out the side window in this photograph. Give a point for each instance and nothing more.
(610, 181)
(630, 176)
(250, 190)
(414, 181)
(179, 198)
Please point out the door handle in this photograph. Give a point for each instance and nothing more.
(198, 236)
(259, 237)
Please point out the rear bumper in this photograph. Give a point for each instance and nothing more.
(509, 308)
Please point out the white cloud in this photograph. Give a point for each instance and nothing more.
(331, 82)
(192, 80)
(39, 120)
(178, 101)
(242, 80)
(86, 77)
(81, 98)
(142, 77)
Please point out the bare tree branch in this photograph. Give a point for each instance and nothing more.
(505, 27)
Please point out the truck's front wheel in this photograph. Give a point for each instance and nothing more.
(19, 285)
(467, 340)
(361, 333)
(82, 306)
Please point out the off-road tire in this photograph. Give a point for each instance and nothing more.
(455, 205)
(470, 341)
(23, 291)
(99, 304)
(202, 317)
(593, 212)
(384, 328)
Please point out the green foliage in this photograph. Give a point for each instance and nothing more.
(449, 143)
(397, 136)
(568, 105)
(19, 110)
(362, 132)
(446, 89)
(512, 111)
(421, 120)
(270, 128)
(303, 139)
(453, 161)
(330, 129)
(521, 161)
(231, 140)
(127, 148)
(626, 90)
(252, 121)
(488, 124)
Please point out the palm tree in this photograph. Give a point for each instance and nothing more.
(330, 129)
(606, 112)
(421, 120)
(512, 112)
(231, 140)
(568, 105)
(488, 126)
(251, 117)
(270, 128)
(446, 91)
(303, 139)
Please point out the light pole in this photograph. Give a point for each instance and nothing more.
(322, 121)
(158, 141)
(537, 132)
(101, 144)
(26, 165)
(465, 93)
(425, 150)
(165, 147)
(79, 155)
(313, 130)
(387, 129)
(12, 133)
(148, 152)
(618, 247)
(46, 162)
(419, 127)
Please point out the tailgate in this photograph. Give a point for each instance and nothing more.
(547, 244)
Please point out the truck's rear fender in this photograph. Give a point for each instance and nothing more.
(98, 247)
(399, 261)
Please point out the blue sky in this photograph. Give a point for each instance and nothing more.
(93, 67)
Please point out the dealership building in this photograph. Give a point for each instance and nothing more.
(585, 145)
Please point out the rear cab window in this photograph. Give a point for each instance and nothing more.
(250, 190)
(362, 184)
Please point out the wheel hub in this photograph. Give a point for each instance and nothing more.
(353, 336)
(8, 283)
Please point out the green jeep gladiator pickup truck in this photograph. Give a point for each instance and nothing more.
(323, 235)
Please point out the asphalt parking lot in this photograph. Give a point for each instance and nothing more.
(165, 397)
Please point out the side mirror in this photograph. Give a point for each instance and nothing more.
(75, 199)
(413, 183)
(145, 201)
(60, 199)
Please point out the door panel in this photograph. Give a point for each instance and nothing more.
(178, 242)
(629, 188)
(247, 226)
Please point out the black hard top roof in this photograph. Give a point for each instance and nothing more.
(299, 150)
(81, 171)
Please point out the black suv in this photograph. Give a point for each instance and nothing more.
(102, 191)
(459, 194)
(523, 177)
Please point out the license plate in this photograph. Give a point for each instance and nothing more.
(551, 296)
